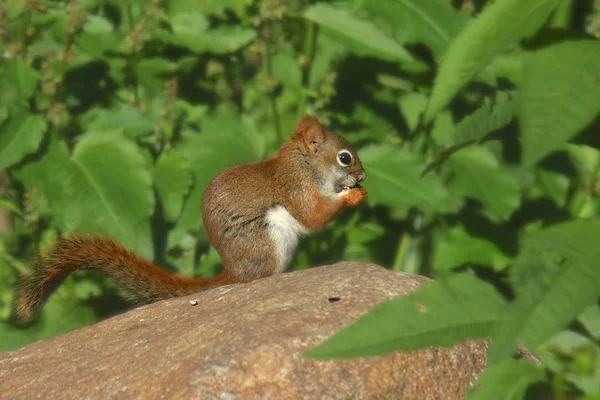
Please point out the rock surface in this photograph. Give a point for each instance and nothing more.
(242, 342)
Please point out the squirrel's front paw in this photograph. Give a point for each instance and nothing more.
(354, 196)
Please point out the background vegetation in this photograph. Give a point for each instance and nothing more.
(477, 122)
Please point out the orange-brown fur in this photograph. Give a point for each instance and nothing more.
(143, 280)
(235, 212)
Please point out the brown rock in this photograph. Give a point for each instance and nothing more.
(242, 342)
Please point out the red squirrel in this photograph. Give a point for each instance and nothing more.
(253, 214)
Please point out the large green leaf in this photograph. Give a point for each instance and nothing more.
(507, 381)
(394, 178)
(173, 179)
(479, 175)
(560, 95)
(460, 248)
(105, 186)
(432, 22)
(442, 313)
(482, 40)
(21, 135)
(549, 297)
(361, 36)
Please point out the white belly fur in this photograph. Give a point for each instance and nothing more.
(284, 231)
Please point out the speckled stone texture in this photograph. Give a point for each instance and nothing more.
(242, 341)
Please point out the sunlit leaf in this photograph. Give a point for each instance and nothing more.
(442, 313)
(482, 40)
(432, 22)
(19, 136)
(558, 102)
(363, 37)
(104, 186)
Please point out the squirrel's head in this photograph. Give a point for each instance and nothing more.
(334, 160)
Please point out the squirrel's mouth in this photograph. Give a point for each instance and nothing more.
(343, 188)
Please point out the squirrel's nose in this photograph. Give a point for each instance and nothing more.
(361, 176)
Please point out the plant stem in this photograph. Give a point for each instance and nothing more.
(403, 246)
(132, 60)
(272, 96)
(309, 51)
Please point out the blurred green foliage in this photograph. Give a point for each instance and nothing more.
(477, 122)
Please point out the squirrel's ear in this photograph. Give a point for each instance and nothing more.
(310, 131)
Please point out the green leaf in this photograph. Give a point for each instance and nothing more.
(507, 381)
(125, 118)
(173, 180)
(412, 105)
(152, 72)
(590, 319)
(224, 39)
(14, 8)
(558, 102)
(327, 51)
(189, 25)
(98, 37)
(21, 135)
(361, 36)
(575, 356)
(442, 313)
(550, 296)
(104, 186)
(481, 41)
(551, 185)
(432, 22)
(461, 248)
(287, 70)
(472, 128)
(220, 40)
(394, 178)
(479, 175)
(22, 76)
(491, 116)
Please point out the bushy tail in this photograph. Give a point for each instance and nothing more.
(144, 282)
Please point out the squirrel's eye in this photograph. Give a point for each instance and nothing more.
(344, 158)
